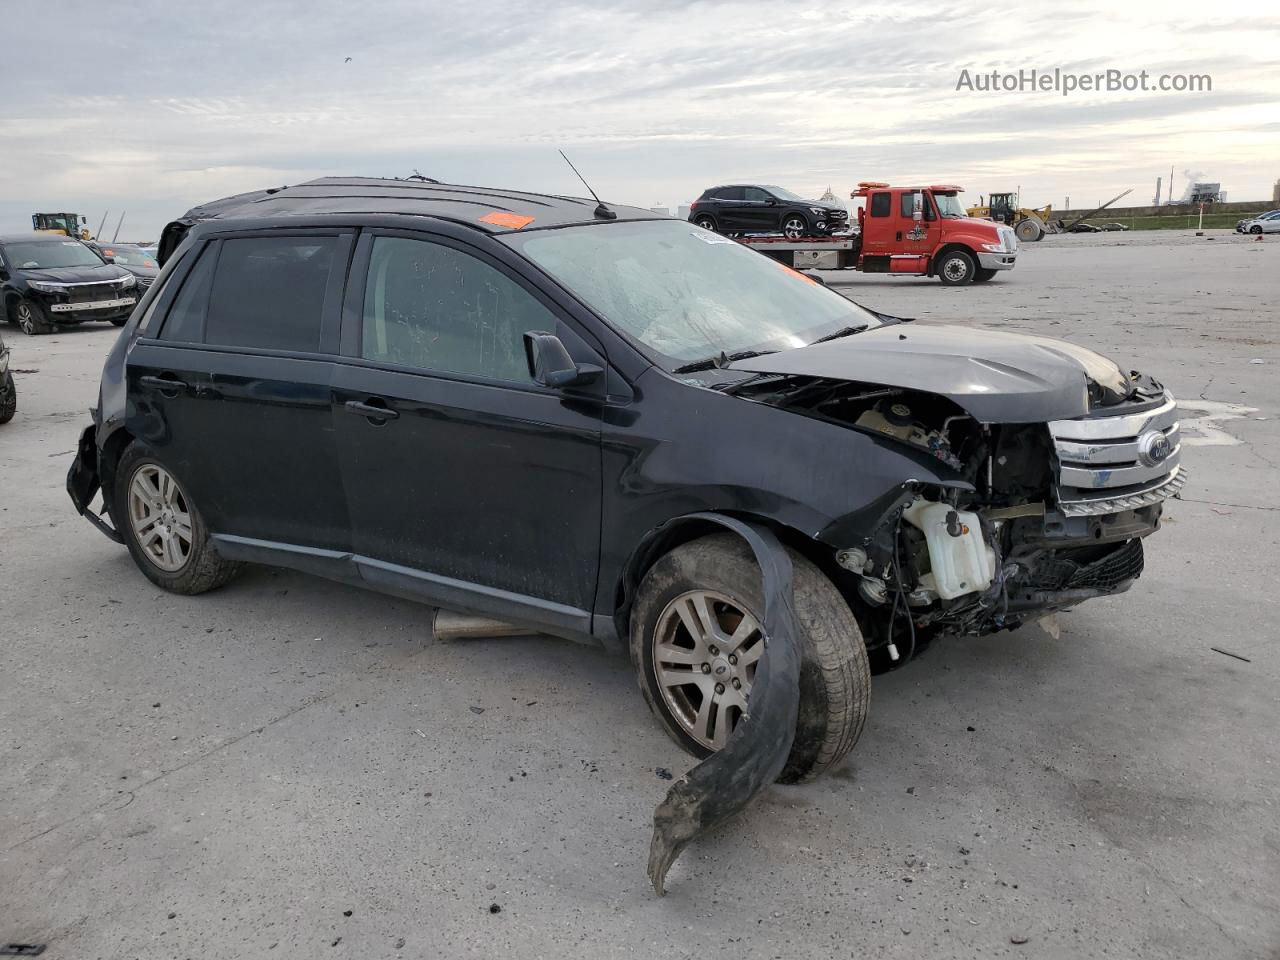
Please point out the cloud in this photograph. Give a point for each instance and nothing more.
(175, 105)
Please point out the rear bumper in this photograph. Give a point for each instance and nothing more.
(997, 261)
(83, 483)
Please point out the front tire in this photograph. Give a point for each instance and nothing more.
(31, 318)
(1256, 229)
(795, 226)
(956, 267)
(1028, 230)
(983, 274)
(695, 641)
(119, 321)
(163, 529)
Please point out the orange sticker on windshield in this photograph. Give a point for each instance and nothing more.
(512, 220)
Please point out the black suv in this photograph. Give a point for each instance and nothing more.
(134, 257)
(751, 208)
(544, 410)
(48, 280)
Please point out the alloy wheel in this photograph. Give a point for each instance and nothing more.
(705, 650)
(26, 319)
(160, 517)
(793, 228)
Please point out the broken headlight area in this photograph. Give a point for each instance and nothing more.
(1050, 514)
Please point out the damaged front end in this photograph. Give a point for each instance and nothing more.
(1042, 517)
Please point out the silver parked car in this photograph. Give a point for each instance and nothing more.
(1263, 223)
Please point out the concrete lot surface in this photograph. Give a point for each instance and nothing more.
(289, 768)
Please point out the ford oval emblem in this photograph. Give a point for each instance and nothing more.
(1154, 448)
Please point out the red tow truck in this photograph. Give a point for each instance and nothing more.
(907, 231)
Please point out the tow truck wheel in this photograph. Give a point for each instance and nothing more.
(696, 640)
(162, 527)
(956, 267)
(794, 227)
(31, 319)
(982, 275)
(705, 222)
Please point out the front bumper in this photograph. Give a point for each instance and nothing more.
(76, 304)
(107, 307)
(997, 261)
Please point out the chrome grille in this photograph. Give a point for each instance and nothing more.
(1115, 460)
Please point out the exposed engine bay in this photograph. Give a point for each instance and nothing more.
(1045, 516)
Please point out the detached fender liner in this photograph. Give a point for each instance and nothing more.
(725, 783)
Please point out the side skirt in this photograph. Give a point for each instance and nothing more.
(541, 616)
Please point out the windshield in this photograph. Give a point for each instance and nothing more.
(133, 256)
(783, 194)
(50, 253)
(686, 294)
(949, 205)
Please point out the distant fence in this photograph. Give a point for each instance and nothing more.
(1173, 216)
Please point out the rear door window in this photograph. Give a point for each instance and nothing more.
(268, 292)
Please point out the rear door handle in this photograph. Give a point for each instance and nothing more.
(166, 383)
(372, 410)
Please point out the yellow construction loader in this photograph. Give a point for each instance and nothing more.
(69, 224)
(1029, 223)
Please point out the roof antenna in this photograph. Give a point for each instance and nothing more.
(601, 211)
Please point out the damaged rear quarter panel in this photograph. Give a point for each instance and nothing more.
(680, 449)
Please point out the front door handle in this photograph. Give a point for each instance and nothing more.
(167, 383)
(375, 410)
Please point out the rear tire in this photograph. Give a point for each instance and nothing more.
(8, 397)
(706, 222)
(835, 681)
(956, 267)
(119, 321)
(31, 318)
(162, 528)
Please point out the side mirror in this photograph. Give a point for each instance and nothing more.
(917, 207)
(551, 365)
(109, 259)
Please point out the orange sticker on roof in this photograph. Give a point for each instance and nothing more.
(513, 220)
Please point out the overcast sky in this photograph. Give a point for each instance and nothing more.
(152, 107)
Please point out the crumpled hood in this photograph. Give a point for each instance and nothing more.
(996, 377)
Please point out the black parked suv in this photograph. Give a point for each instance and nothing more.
(47, 280)
(752, 208)
(537, 409)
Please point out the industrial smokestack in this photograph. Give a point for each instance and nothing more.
(1156, 202)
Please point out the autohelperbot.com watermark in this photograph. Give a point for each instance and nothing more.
(1035, 80)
